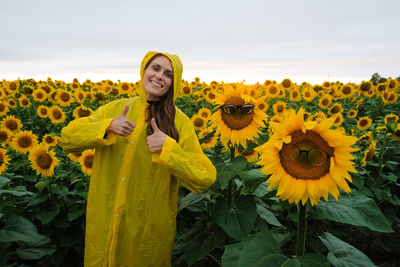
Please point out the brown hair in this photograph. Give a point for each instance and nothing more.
(163, 111)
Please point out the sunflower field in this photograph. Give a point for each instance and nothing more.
(307, 175)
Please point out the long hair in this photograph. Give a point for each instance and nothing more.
(163, 111)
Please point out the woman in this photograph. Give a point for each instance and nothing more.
(145, 147)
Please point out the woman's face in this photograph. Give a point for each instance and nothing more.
(157, 78)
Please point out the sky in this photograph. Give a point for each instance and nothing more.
(230, 41)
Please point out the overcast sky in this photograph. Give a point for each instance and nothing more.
(230, 41)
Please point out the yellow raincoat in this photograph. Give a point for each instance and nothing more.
(133, 193)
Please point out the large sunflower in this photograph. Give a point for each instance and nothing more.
(307, 160)
(199, 122)
(238, 122)
(64, 98)
(11, 123)
(24, 141)
(42, 160)
(56, 115)
(4, 160)
(86, 161)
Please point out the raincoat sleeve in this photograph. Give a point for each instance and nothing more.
(88, 132)
(186, 160)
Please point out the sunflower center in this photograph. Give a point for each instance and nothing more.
(346, 90)
(88, 162)
(307, 94)
(12, 125)
(25, 141)
(49, 139)
(238, 120)
(273, 90)
(198, 122)
(65, 97)
(44, 160)
(325, 102)
(43, 111)
(46, 88)
(125, 87)
(335, 109)
(3, 135)
(2, 107)
(28, 90)
(57, 114)
(25, 102)
(365, 87)
(261, 106)
(186, 90)
(280, 108)
(83, 113)
(363, 122)
(286, 83)
(307, 156)
(13, 86)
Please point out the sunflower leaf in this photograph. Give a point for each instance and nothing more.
(230, 170)
(355, 209)
(237, 220)
(342, 254)
(18, 228)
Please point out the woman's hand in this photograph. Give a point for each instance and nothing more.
(155, 141)
(121, 125)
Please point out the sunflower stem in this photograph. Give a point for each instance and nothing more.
(229, 193)
(301, 229)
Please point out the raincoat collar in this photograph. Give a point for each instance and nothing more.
(176, 65)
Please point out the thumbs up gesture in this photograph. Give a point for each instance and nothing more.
(121, 125)
(155, 141)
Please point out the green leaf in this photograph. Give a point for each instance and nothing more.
(3, 181)
(230, 170)
(35, 253)
(237, 221)
(43, 183)
(19, 228)
(355, 209)
(342, 254)
(191, 199)
(271, 260)
(232, 253)
(16, 193)
(75, 212)
(31, 178)
(267, 215)
(313, 260)
(46, 214)
(58, 189)
(261, 245)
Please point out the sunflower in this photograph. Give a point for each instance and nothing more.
(75, 156)
(295, 95)
(369, 153)
(381, 87)
(86, 161)
(42, 111)
(335, 109)
(4, 160)
(366, 137)
(261, 104)
(210, 97)
(286, 84)
(75, 85)
(24, 141)
(50, 140)
(24, 102)
(338, 119)
(347, 91)
(124, 88)
(307, 160)
(396, 134)
(308, 94)
(186, 90)
(39, 95)
(365, 86)
(204, 112)
(279, 107)
(11, 103)
(272, 90)
(56, 115)
(3, 108)
(389, 97)
(80, 96)
(352, 113)
(11, 123)
(237, 120)
(115, 92)
(82, 111)
(391, 118)
(325, 101)
(210, 142)
(326, 85)
(5, 135)
(64, 98)
(392, 84)
(199, 122)
(250, 154)
(364, 123)
(42, 160)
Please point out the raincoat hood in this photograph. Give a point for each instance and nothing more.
(176, 65)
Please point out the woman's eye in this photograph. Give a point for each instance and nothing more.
(169, 75)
